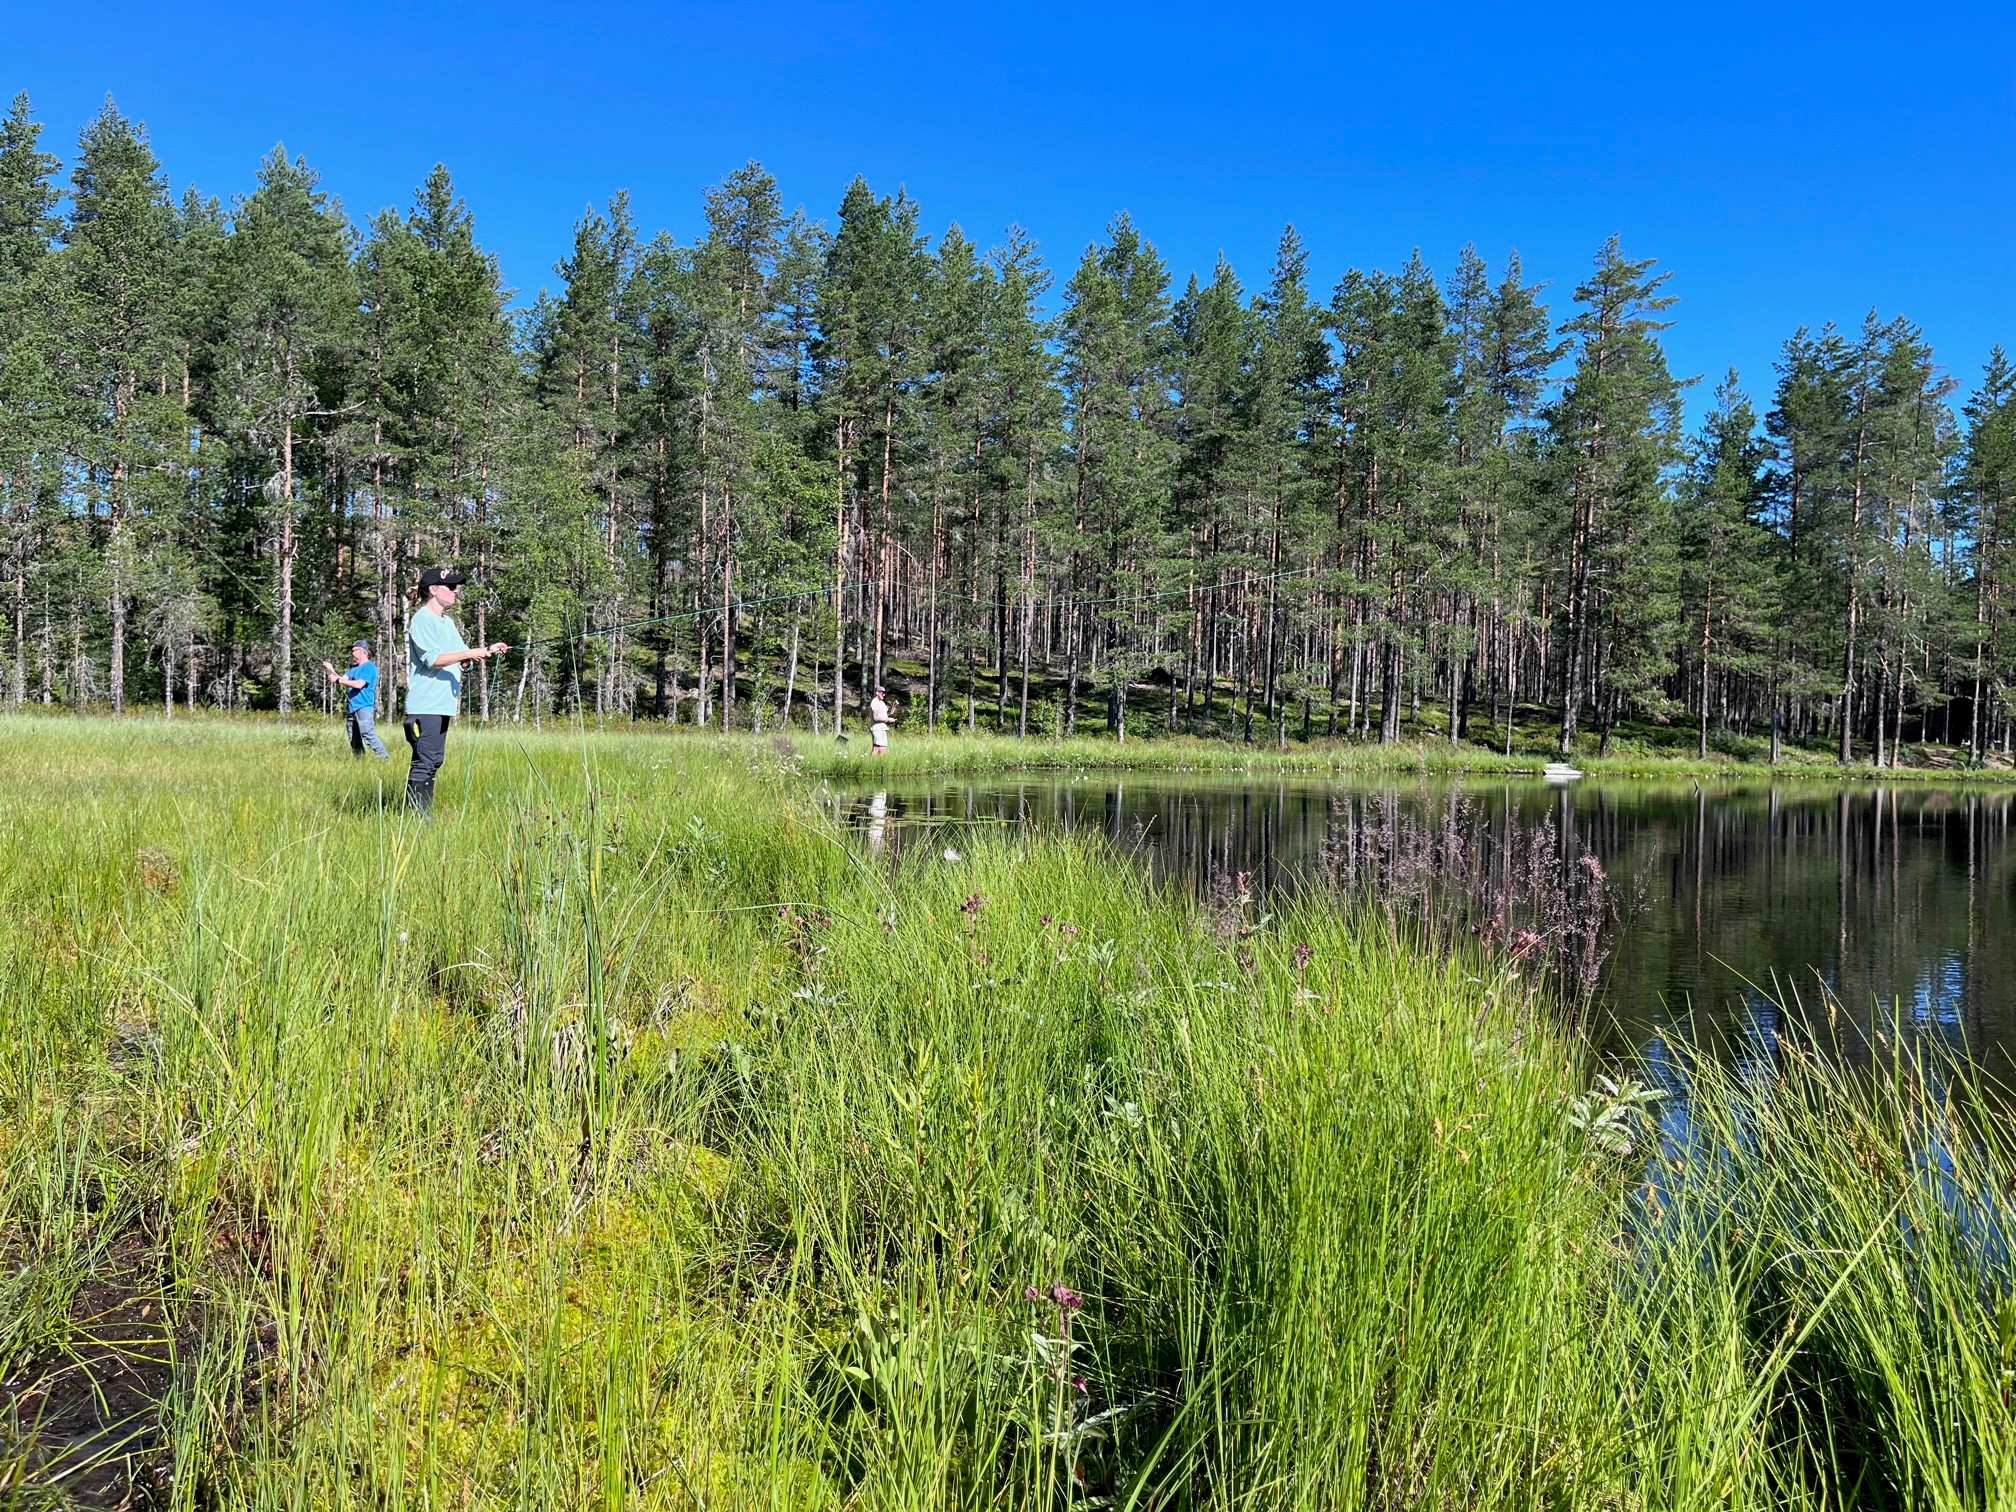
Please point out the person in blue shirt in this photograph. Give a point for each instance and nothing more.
(361, 715)
(435, 657)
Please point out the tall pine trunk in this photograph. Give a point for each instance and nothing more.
(283, 654)
(841, 435)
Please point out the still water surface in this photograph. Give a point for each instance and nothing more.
(1893, 903)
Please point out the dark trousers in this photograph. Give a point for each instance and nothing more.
(427, 734)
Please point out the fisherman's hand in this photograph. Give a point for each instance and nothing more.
(499, 649)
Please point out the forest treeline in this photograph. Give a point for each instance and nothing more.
(728, 482)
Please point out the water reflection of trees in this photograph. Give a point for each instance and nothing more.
(1867, 907)
(1832, 900)
(1449, 867)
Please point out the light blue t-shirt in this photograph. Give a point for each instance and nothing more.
(366, 697)
(431, 689)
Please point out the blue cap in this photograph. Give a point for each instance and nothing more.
(360, 645)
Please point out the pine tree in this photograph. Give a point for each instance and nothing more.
(1612, 435)
(739, 341)
(588, 347)
(1214, 356)
(284, 307)
(118, 326)
(1287, 409)
(1025, 427)
(1986, 495)
(1726, 579)
(1811, 428)
(963, 548)
(432, 385)
(1504, 345)
(1395, 385)
(1115, 346)
(1909, 442)
(29, 403)
(1369, 502)
(868, 358)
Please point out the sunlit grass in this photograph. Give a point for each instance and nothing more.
(913, 753)
(623, 1137)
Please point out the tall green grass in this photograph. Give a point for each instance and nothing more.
(623, 1137)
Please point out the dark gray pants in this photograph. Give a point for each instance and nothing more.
(427, 734)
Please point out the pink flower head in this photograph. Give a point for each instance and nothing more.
(1032, 1294)
(1066, 1298)
(1078, 1385)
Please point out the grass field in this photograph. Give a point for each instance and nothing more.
(620, 1137)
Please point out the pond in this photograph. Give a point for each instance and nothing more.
(1710, 904)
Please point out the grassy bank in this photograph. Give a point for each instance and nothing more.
(1229, 742)
(622, 1138)
(916, 754)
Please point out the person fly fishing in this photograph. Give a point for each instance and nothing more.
(878, 722)
(435, 654)
(360, 715)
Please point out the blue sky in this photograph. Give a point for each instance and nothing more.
(1789, 163)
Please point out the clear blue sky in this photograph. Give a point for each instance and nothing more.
(1789, 163)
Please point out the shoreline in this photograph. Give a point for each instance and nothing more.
(931, 755)
(922, 755)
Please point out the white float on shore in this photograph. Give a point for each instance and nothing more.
(1560, 771)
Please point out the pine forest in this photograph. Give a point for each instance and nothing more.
(738, 481)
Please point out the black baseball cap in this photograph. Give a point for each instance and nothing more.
(445, 577)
